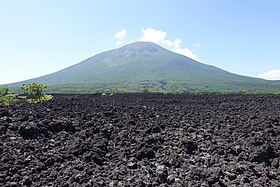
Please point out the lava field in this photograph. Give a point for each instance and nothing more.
(142, 140)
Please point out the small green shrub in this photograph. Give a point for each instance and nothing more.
(34, 93)
(257, 92)
(40, 99)
(4, 91)
(104, 94)
(146, 90)
(113, 92)
(33, 89)
(6, 98)
(244, 91)
(194, 93)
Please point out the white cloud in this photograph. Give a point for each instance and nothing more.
(186, 52)
(120, 36)
(270, 75)
(152, 35)
(159, 37)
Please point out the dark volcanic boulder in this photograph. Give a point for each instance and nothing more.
(263, 154)
(28, 130)
(61, 126)
(4, 112)
(189, 146)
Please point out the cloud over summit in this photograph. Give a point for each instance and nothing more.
(159, 37)
(120, 36)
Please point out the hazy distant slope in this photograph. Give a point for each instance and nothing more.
(146, 65)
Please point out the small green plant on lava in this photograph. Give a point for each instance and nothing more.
(146, 91)
(7, 98)
(113, 92)
(34, 93)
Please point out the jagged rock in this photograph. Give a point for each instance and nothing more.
(142, 140)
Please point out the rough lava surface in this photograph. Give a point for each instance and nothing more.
(142, 140)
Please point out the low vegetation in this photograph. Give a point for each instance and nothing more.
(146, 91)
(244, 91)
(33, 93)
(7, 98)
(113, 92)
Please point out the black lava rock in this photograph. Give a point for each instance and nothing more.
(28, 130)
(142, 140)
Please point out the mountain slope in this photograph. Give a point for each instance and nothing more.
(146, 65)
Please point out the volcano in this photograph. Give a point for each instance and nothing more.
(145, 65)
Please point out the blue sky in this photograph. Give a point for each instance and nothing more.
(38, 37)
